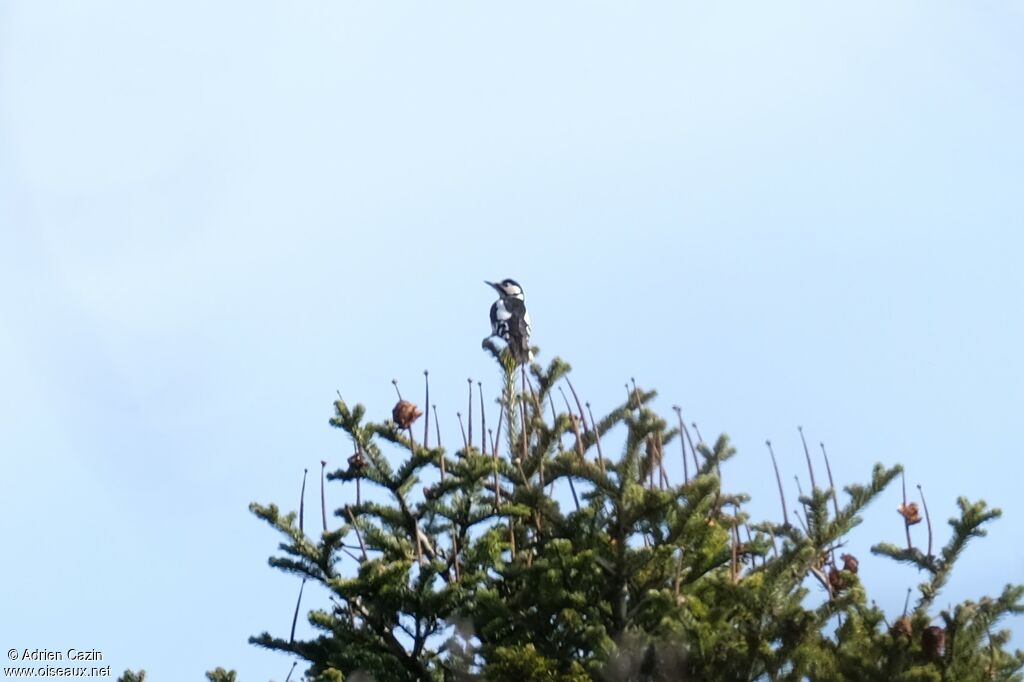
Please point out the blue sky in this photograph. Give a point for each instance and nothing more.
(214, 215)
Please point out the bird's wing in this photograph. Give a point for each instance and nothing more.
(499, 312)
(517, 310)
(519, 328)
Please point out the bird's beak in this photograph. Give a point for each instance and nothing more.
(492, 284)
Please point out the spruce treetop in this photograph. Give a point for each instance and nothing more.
(531, 551)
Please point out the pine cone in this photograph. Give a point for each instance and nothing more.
(357, 463)
(405, 413)
(836, 580)
(849, 563)
(933, 642)
(910, 513)
(901, 628)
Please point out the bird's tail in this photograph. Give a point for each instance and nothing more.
(520, 347)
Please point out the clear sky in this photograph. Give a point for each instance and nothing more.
(214, 215)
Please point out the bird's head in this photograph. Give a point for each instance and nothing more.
(507, 288)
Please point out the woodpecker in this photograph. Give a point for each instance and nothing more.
(510, 320)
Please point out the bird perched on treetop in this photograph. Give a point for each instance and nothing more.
(510, 320)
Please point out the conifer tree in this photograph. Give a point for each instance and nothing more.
(217, 675)
(464, 565)
(132, 676)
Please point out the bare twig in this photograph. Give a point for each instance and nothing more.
(355, 527)
(359, 490)
(823, 579)
(295, 618)
(831, 483)
(574, 423)
(302, 501)
(778, 479)
(494, 467)
(483, 418)
(682, 442)
(323, 498)
(572, 489)
(597, 439)
(652, 459)
(497, 434)
(693, 450)
(579, 406)
(927, 518)
(469, 418)
(801, 520)
(696, 429)
(465, 442)
(426, 409)
(906, 519)
(807, 454)
(803, 503)
(394, 382)
(663, 475)
(437, 426)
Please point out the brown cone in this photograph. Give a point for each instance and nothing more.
(901, 628)
(933, 642)
(836, 580)
(910, 512)
(405, 413)
(357, 463)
